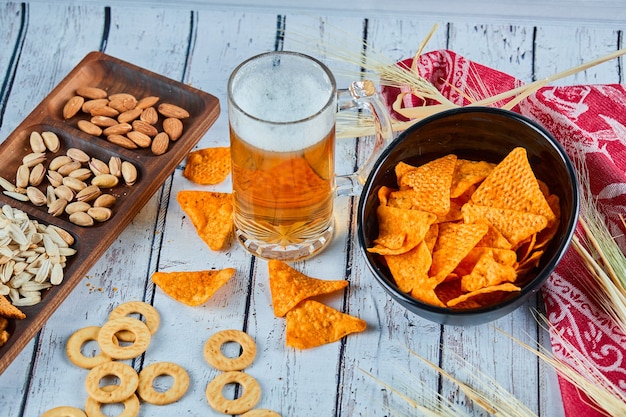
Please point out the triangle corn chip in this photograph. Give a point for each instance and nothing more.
(400, 230)
(192, 288)
(431, 185)
(410, 269)
(289, 287)
(311, 324)
(454, 242)
(512, 185)
(208, 166)
(210, 213)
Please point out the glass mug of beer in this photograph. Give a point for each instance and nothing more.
(282, 108)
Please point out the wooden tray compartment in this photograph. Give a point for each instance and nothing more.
(115, 76)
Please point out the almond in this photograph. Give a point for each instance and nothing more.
(141, 139)
(89, 128)
(146, 102)
(129, 115)
(118, 129)
(122, 141)
(145, 128)
(149, 115)
(89, 105)
(122, 102)
(103, 121)
(91, 92)
(160, 143)
(173, 127)
(104, 111)
(72, 107)
(172, 110)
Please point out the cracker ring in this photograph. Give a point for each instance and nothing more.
(129, 380)
(64, 411)
(146, 390)
(250, 397)
(131, 405)
(149, 313)
(74, 345)
(139, 344)
(213, 350)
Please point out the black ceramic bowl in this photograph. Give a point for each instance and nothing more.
(477, 134)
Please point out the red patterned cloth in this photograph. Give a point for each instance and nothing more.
(587, 117)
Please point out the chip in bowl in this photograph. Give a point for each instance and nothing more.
(474, 247)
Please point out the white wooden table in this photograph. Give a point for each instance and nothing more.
(200, 45)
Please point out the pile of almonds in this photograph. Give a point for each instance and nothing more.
(76, 182)
(126, 121)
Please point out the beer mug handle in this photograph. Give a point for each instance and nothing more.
(362, 95)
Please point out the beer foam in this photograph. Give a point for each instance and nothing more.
(270, 95)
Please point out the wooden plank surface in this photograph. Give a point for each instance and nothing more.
(201, 46)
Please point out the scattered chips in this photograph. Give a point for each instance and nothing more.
(211, 214)
(458, 233)
(192, 288)
(289, 287)
(311, 324)
(208, 166)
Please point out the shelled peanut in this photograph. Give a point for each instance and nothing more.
(125, 120)
(75, 182)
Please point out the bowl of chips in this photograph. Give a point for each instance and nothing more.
(467, 213)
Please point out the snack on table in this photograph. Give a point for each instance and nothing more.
(289, 286)
(208, 166)
(250, 397)
(131, 405)
(213, 350)
(459, 233)
(211, 214)
(73, 348)
(130, 383)
(179, 387)
(192, 288)
(126, 374)
(313, 324)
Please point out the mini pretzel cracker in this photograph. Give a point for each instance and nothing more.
(208, 166)
(289, 286)
(492, 230)
(313, 324)
(128, 382)
(74, 345)
(250, 397)
(149, 313)
(192, 288)
(211, 214)
(140, 342)
(213, 350)
(131, 405)
(64, 411)
(147, 376)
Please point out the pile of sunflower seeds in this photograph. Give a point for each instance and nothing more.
(33, 256)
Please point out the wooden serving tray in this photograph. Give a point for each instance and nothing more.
(115, 76)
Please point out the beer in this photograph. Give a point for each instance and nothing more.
(283, 198)
(282, 138)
